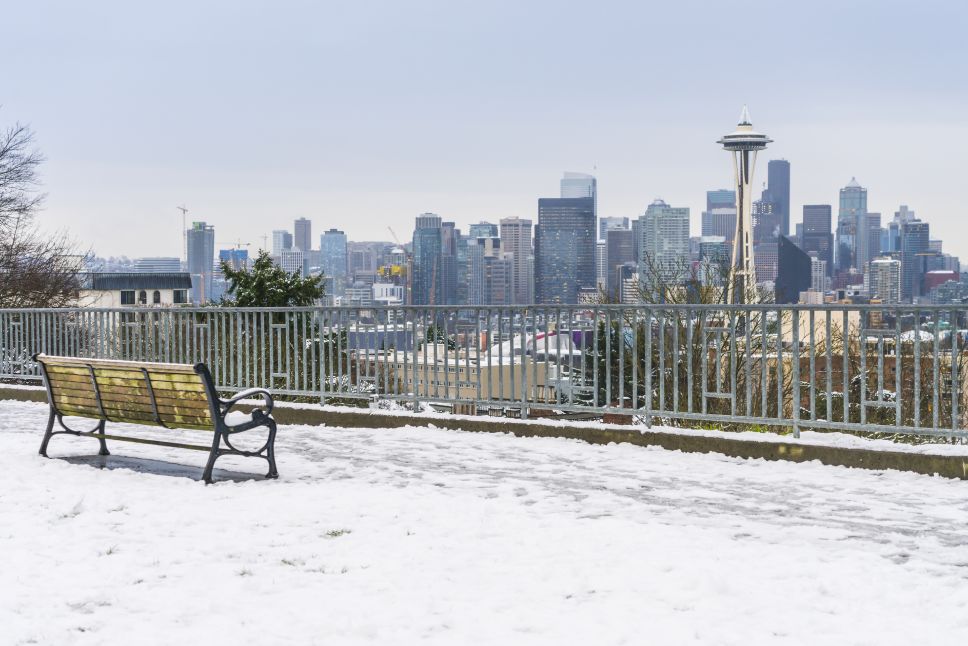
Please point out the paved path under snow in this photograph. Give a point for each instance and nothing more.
(428, 536)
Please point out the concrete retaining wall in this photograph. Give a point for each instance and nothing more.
(944, 465)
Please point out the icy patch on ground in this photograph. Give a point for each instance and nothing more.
(427, 536)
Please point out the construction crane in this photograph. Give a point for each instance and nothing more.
(395, 238)
(184, 212)
(238, 244)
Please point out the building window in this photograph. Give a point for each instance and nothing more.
(143, 297)
(127, 297)
(180, 296)
(156, 297)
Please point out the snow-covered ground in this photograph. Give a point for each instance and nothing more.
(429, 536)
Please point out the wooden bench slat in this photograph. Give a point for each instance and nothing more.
(112, 373)
(116, 363)
(196, 386)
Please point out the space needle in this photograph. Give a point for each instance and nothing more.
(743, 143)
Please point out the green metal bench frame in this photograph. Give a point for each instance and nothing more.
(261, 416)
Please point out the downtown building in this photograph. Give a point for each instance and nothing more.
(817, 234)
(302, 235)
(851, 223)
(334, 261)
(200, 239)
(663, 245)
(516, 245)
(564, 248)
(884, 280)
(425, 274)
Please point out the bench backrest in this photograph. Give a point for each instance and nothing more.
(174, 395)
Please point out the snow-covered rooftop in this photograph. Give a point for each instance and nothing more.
(439, 537)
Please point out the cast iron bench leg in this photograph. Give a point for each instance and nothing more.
(48, 433)
(104, 444)
(213, 455)
(271, 451)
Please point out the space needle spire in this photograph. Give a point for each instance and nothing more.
(743, 144)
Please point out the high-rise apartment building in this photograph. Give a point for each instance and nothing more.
(818, 274)
(426, 274)
(235, 258)
(664, 243)
(334, 260)
(884, 280)
(293, 261)
(281, 241)
(564, 249)
(516, 241)
(201, 260)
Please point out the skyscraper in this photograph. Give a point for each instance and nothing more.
(235, 258)
(853, 211)
(915, 235)
(575, 185)
(743, 143)
(334, 261)
(201, 260)
(868, 239)
(664, 243)
(793, 272)
(447, 275)
(604, 224)
(564, 249)
(427, 243)
(817, 233)
(482, 230)
(303, 238)
(721, 199)
(516, 241)
(281, 241)
(619, 251)
(778, 186)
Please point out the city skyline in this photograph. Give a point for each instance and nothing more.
(432, 117)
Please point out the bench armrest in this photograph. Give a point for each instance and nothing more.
(264, 409)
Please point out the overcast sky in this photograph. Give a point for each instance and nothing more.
(360, 115)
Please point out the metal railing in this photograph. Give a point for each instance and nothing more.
(893, 369)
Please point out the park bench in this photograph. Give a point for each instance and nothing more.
(169, 395)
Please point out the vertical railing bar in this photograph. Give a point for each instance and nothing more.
(795, 374)
(917, 368)
(864, 324)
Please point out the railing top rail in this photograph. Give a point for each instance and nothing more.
(758, 307)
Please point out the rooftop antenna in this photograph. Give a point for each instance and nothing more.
(184, 232)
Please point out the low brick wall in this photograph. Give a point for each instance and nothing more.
(948, 466)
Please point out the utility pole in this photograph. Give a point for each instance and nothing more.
(184, 212)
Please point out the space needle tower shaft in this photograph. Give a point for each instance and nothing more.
(743, 143)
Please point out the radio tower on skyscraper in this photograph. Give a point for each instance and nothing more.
(743, 143)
